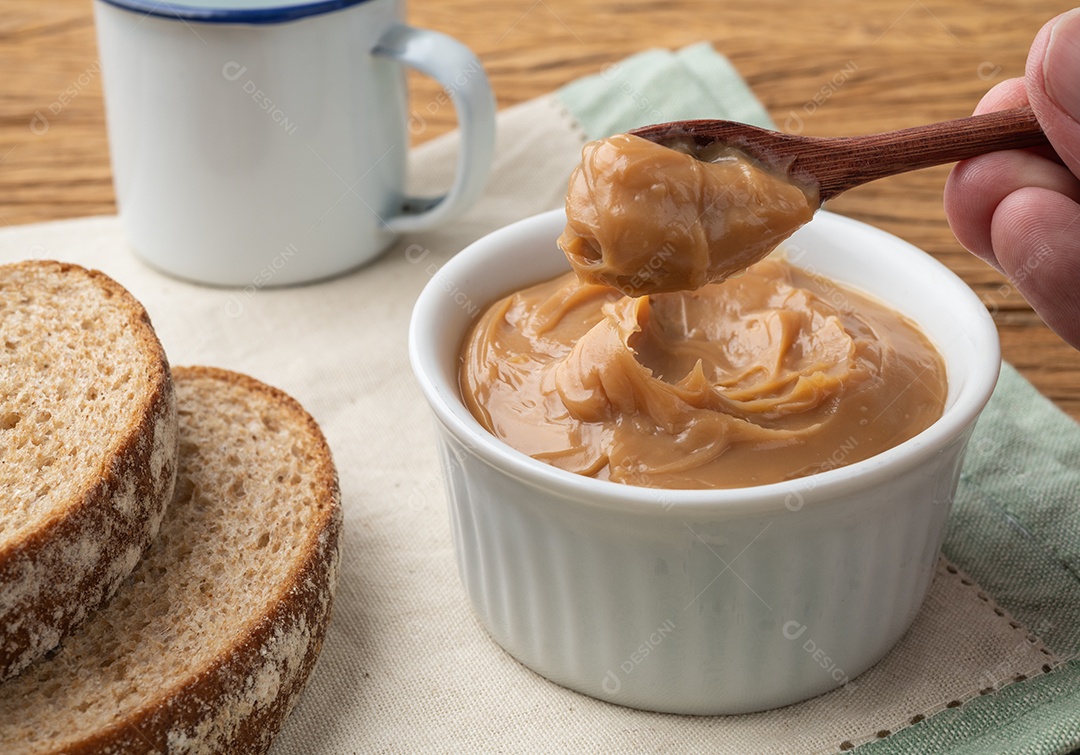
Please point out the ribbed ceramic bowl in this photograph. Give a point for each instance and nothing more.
(704, 601)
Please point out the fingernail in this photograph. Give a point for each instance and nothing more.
(1061, 63)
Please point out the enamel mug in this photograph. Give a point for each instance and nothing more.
(256, 143)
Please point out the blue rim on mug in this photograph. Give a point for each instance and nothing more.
(235, 11)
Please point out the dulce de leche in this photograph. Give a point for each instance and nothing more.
(766, 376)
(772, 375)
(645, 218)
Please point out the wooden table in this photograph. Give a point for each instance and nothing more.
(841, 67)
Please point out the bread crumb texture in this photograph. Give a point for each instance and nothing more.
(207, 644)
(87, 448)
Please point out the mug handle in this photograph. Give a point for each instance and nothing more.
(453, 65)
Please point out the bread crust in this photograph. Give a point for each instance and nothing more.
(239, 701)
(53, 576)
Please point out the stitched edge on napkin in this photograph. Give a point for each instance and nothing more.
(966, 616)
(1016, 521)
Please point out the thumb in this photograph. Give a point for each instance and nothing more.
(1053, 85)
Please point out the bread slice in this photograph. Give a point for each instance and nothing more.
(207, 645)
(87, 448)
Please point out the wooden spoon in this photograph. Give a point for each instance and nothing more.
(836, 164)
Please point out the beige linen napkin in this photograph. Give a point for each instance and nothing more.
(405, 667)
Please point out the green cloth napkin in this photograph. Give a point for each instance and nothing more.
(1015, 525)
(658, 86)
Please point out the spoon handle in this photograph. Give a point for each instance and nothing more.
(836, 164)
(875, 156)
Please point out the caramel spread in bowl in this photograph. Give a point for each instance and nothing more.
(645, 218)
(766, 376)
(772, 375)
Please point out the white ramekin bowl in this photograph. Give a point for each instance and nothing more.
(703, 601)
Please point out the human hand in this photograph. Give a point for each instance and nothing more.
(1020, 210)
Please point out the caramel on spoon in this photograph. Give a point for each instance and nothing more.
(645, 219)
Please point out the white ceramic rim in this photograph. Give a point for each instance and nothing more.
(254, 12)
(444, 399)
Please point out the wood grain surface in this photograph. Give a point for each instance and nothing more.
(841, 67)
